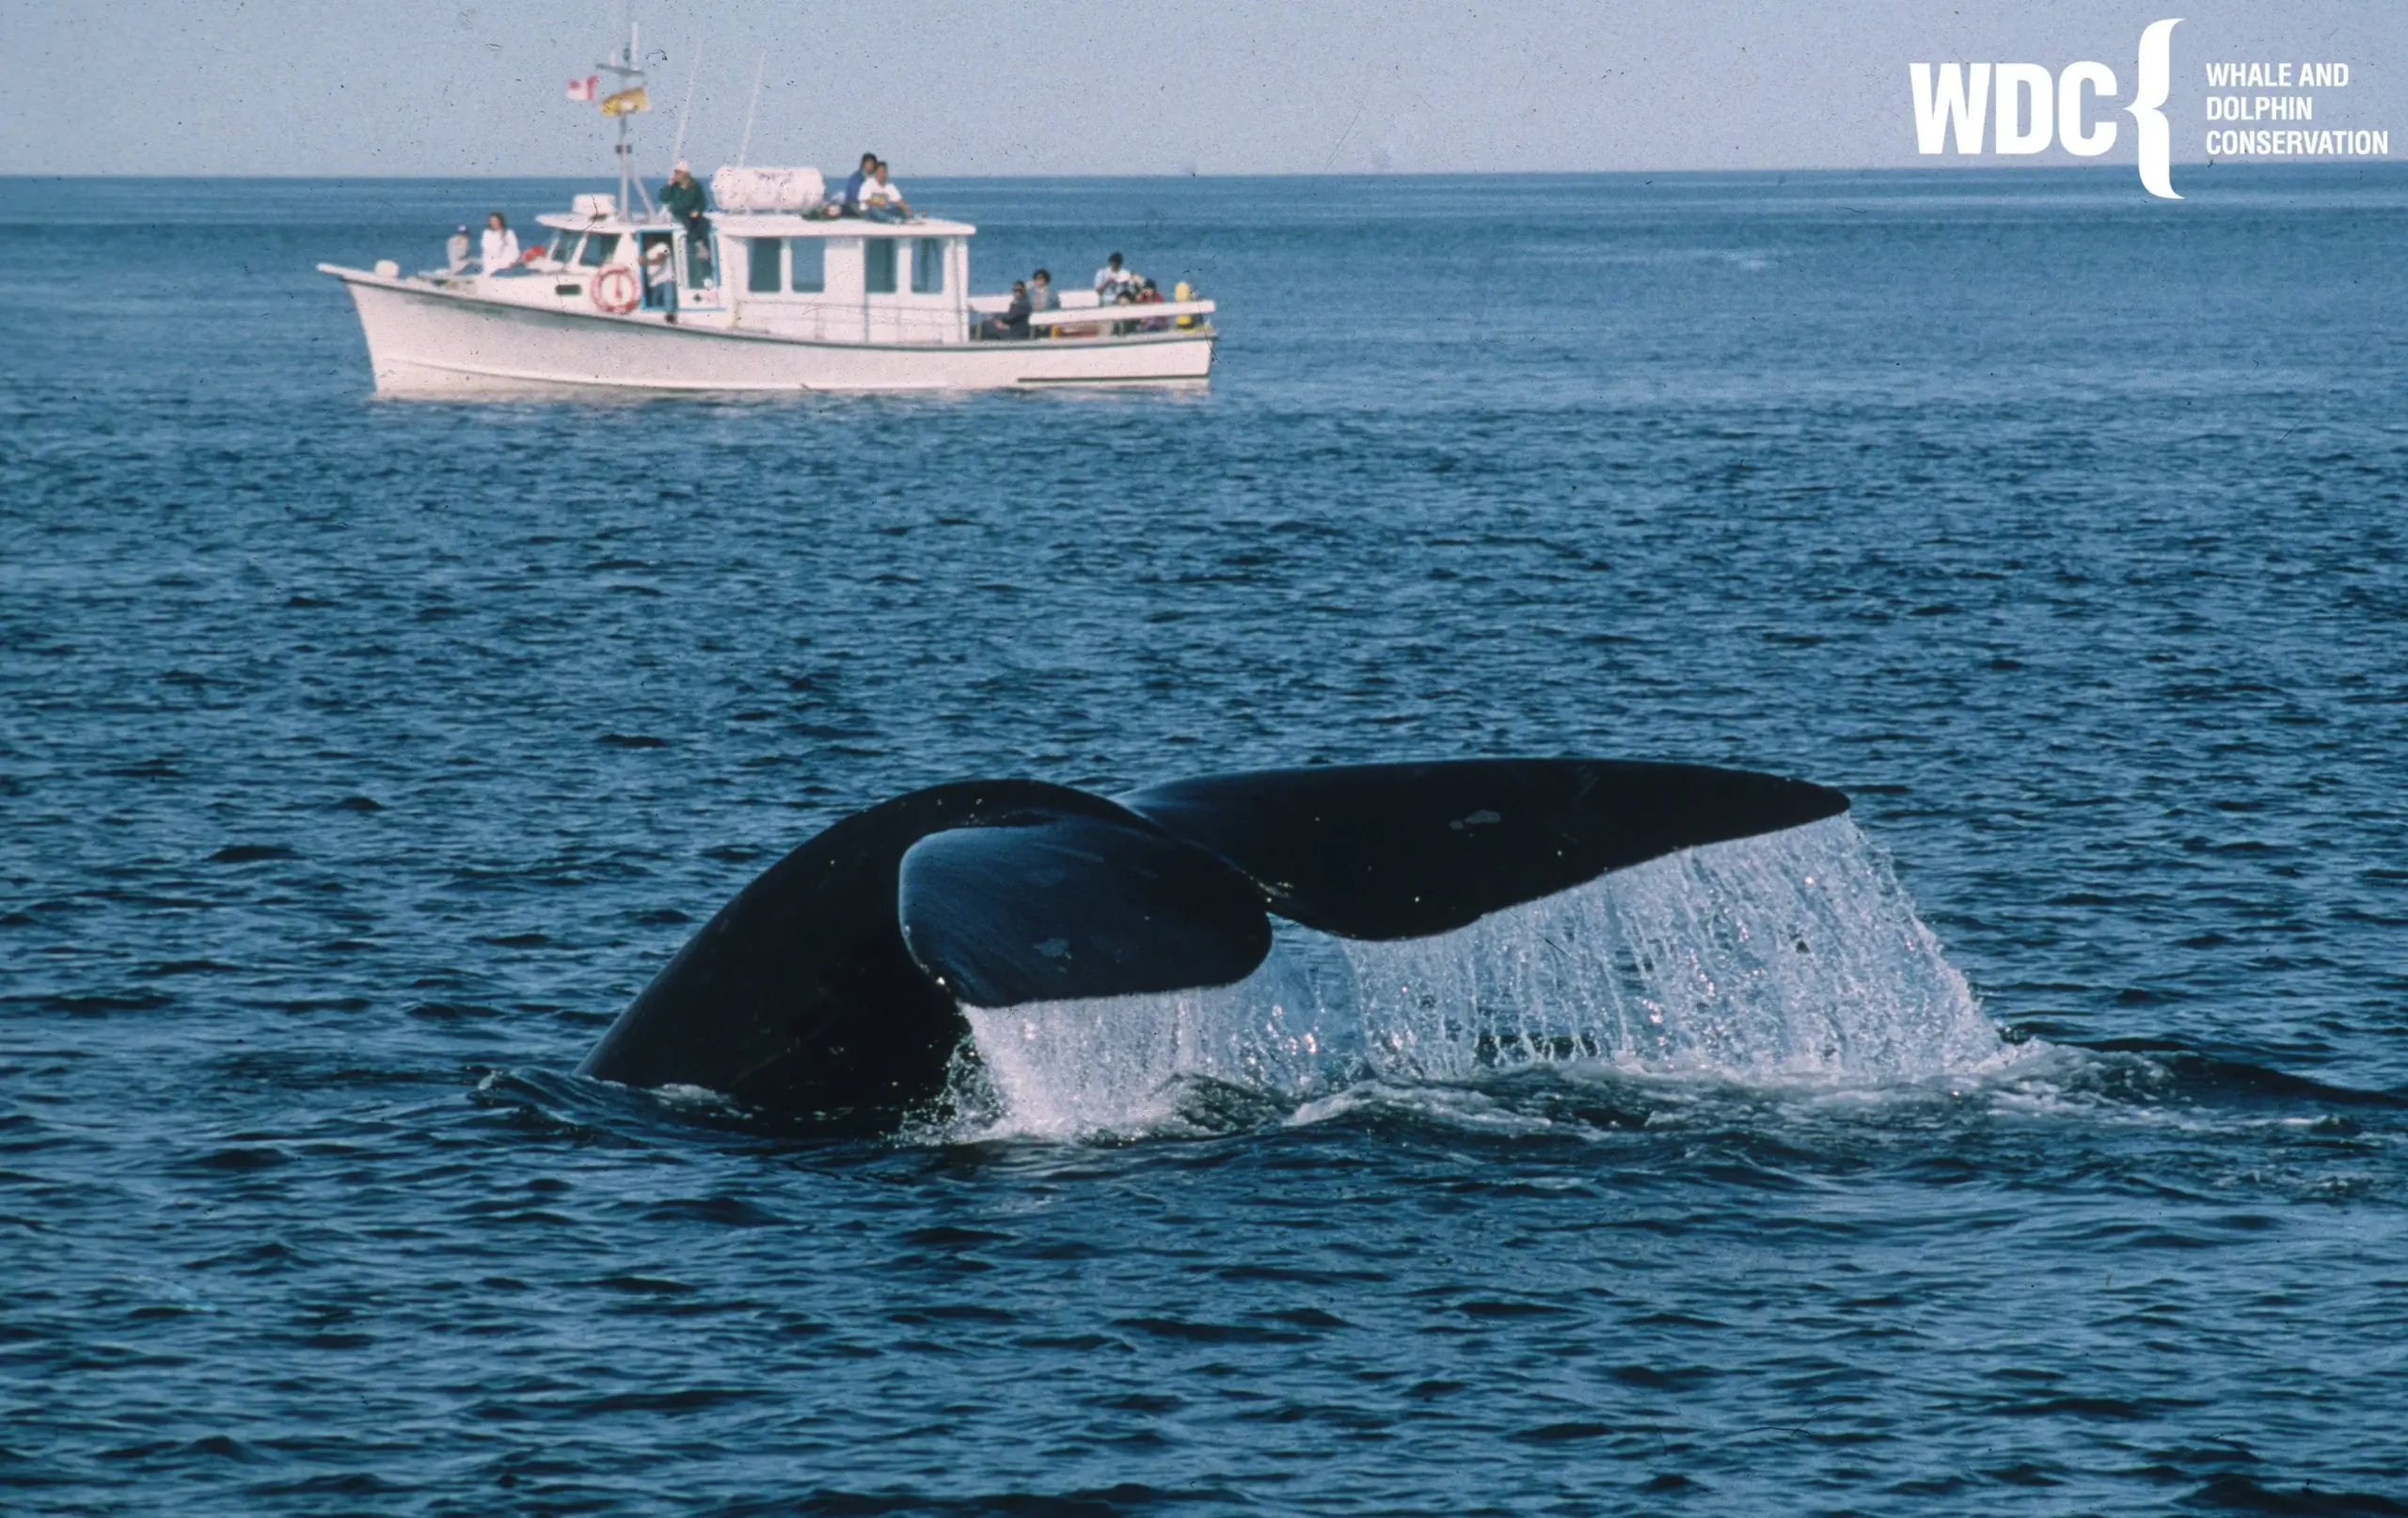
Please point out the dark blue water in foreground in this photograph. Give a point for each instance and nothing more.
(360, 760)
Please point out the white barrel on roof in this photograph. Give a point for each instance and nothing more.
(735, 189)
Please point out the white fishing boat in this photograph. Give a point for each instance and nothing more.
(770, 292)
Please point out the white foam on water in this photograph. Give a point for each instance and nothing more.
(1791, 957)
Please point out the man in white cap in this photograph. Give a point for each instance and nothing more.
(456, 251)
(682, 198)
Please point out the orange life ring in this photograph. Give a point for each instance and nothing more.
(615, 290)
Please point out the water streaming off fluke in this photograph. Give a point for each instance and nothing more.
(1790, 957)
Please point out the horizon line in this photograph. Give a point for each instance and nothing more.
(1985, 166)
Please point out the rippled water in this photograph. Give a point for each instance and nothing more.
(358, 761)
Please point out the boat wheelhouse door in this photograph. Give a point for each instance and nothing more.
(701, 264)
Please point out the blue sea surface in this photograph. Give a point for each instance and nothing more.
(360, 759)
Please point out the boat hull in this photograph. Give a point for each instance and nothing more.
(434, 342)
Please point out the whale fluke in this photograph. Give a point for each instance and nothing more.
(1401, 851)
(831, 988)
(798, 997)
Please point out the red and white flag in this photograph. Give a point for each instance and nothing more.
(584, 88)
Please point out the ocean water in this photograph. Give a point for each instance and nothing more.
(360, 760)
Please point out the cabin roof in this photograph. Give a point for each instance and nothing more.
(788, 224)
(767, 223)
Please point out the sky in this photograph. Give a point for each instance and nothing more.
(1095, 86)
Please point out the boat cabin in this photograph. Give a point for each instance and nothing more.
(782, 273)
(849, 281)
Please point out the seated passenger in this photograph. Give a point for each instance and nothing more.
(1148, 295)
(683, 199)
(1013, 324)
(1122, 295)
(455, 252)
(499, 248)
(882, 199)
(1041, 297)
(848, 201)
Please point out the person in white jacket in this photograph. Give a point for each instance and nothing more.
(1115, 278)
(500, 249)
(883, 198)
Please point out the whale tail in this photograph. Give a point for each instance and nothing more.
(831, 987)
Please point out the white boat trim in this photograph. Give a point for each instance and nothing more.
(1086, 316)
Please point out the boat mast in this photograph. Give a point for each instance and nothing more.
(626, 76)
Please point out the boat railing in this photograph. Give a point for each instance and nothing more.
(1071, 300)
(1134, 312)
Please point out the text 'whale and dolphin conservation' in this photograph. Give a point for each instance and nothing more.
(832, 988)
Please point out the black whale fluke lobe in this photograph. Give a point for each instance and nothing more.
(831, 988)
(1057, 906)
(1401, 851)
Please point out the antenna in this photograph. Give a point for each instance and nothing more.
(751, 110)
(678, 150)
(626, 75)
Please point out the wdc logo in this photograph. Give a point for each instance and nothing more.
(2034, 107)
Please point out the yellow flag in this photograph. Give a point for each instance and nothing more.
(626, 102)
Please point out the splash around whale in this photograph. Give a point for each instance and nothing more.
(839, 986)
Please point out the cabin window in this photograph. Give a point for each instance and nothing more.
(597, 249)
(927, 266)
(877, 277)
(809, 265)
(763, 277)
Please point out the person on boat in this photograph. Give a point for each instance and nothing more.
(850, 202)
(682, 198)
(1149, 293)
(1042, 297)
(660, 278)
(455, 252)
(1013, 324)
(1116, 284)
(883, 198)
(499, 248)
(1112, 280)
